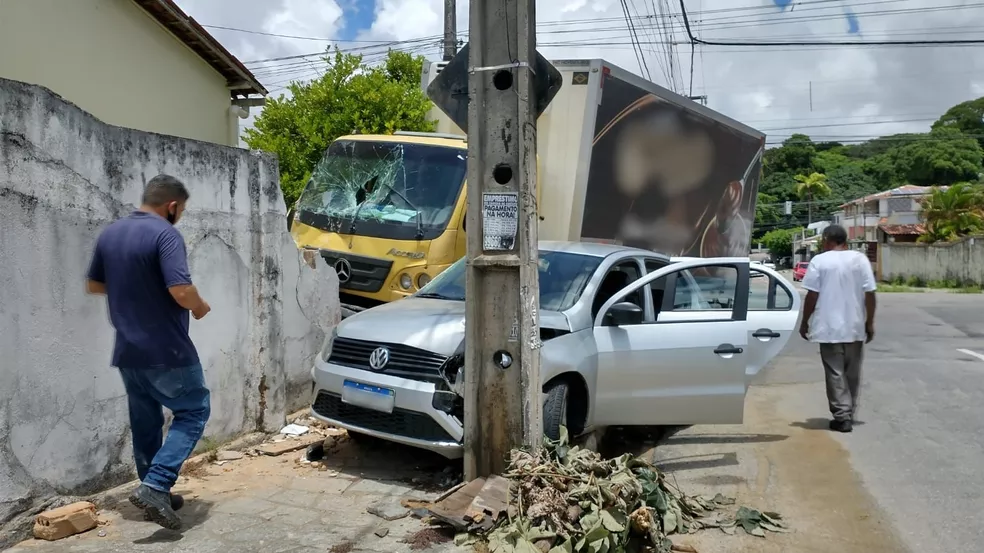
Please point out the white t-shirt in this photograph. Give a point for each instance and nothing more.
(841, 278)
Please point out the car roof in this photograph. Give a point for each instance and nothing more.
(595, 249)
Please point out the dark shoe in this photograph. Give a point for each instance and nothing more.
(157, 506)
(841, 426)
(177, 502)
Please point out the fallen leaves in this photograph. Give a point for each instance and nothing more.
(564, 499)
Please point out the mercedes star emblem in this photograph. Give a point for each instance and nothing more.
(344, 270)
(379, 358)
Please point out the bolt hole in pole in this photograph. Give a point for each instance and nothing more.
(502, 173)
(502, 359)
(502, 79)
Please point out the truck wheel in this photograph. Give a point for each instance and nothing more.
(555, 399)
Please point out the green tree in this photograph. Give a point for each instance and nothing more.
(780, 241)
(351, 97)
(944, 156)
(767, 211)
(967, 117)
(810, 188)
(950, 213)
(796, 155)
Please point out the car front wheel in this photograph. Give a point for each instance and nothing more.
(555, 398)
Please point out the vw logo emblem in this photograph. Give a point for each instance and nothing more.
(344, 270)
(379, 358)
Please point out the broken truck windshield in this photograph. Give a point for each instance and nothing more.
(392, 190)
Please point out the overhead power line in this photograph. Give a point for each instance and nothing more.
(696, 40)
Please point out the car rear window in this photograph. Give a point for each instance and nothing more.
(802, 265)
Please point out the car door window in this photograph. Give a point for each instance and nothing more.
(765, 293)
(710, 289)
(617, 278)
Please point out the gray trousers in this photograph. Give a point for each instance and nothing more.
(842, 365)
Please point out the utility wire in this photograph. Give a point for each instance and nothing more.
(695, 40)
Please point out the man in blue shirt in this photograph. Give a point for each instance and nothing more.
(141, 266)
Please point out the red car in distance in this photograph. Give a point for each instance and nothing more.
(799, 271)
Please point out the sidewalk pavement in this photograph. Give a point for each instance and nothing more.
(283, 505)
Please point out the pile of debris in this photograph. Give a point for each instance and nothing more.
(564, 499)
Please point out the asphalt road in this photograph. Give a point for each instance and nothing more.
(920, 448)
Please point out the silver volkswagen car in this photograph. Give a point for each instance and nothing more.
(630, 337)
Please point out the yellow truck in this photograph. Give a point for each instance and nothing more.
(621, 160)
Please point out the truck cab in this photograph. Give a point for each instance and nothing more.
(386, 212)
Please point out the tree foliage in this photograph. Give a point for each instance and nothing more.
(351, 97)
(950, 153)
(954, 212)
(966, 117)
(780, 241)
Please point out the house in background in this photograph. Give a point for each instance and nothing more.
(890, 215)
(142, 64)
(807, 243)
(883, 218)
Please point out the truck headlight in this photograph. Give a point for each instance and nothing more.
(406, 282)
(423, 279)
(326, 346)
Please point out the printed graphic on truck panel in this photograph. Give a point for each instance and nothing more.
(669, 179)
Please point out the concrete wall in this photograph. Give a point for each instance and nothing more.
(962, 261)
(112, 59)
(64, 175)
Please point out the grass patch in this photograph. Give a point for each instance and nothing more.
(969, 290)
(209, 447)
(898, 288)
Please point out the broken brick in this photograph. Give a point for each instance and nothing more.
(65, 521)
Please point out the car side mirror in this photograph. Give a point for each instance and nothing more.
(624, 313)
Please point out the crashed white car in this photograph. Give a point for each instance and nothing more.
(630, 337)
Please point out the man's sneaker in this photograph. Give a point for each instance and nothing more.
(157, 506)
(841, 426)
(176, 503)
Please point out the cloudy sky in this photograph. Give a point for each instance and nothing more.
(840, 92)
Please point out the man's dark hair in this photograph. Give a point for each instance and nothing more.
(164, 189)
(835, 234)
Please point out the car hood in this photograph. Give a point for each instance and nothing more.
(428, 324)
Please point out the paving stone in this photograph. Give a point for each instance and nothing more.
(379, 487)
(388, 509)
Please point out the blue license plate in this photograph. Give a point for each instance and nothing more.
(369, 388)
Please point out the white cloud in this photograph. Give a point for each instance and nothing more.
(770, 88)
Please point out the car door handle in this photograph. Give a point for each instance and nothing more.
(727, 349)
(765, 333)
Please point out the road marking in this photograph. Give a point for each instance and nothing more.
(972, 353)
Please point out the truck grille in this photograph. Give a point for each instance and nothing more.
(368, 273)
(400, 422)
(405, 361)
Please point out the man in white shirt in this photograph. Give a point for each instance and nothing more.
(839, 314)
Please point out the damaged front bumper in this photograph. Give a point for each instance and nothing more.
(401, 410)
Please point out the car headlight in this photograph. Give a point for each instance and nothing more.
(423, 279)
(326, 346)
(406, 281)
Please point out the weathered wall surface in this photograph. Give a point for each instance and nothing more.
(961, 261)
(63, 176)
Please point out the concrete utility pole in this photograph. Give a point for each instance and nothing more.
(450, 30)
(503, 402)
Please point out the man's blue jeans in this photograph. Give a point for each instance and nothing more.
(183, 391)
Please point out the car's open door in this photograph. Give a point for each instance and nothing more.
(773, 310)
(686, 363)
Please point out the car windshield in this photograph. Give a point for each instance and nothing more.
(400, 184)
(563, 276)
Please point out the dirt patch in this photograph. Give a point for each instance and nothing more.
(344, 547)
(428, 537)
(770, 464)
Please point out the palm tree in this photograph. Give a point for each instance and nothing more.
(810, 187)
(952, 212)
